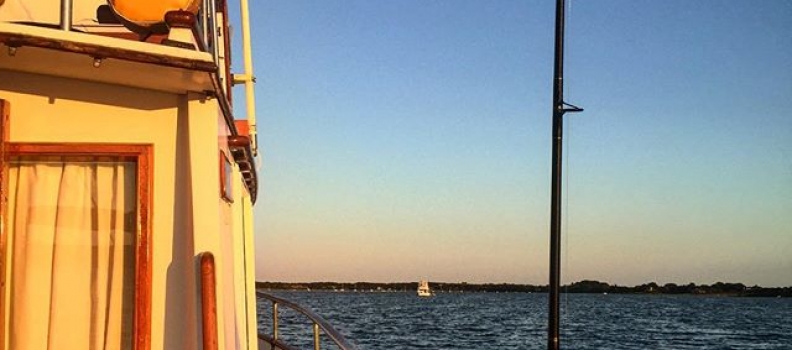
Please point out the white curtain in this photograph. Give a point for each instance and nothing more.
(72, 227)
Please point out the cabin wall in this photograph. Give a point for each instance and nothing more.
(238, 297)
(241, 286)
(246, 283)
(183, 130)
(226, 251)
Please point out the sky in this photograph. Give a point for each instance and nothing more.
(410, 139)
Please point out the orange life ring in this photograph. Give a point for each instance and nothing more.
(147, 13)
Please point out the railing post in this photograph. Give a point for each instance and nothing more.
(318, 324)
(274, 321)
(316, 335)
(205, 22)
(215, 34)
(247, 60)
(66, 15)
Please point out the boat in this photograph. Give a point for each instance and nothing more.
(424, 290)
(128, 177)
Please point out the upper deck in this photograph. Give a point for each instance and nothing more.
(87, 40)
(82, 35)
(80, 86)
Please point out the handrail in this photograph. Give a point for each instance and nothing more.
(318, 323)
(208, 302)
(202, 34)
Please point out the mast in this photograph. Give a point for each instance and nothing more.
(559, 108)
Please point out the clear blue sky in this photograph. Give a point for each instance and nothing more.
(410, 139)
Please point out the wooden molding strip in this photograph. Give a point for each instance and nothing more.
(4, 118)
(98, 51)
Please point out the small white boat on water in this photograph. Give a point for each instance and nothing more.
(424, 290)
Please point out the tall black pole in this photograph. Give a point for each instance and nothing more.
(559, 108)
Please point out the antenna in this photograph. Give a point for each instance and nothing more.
(559, 109)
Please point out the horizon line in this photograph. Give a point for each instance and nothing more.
(530, 284)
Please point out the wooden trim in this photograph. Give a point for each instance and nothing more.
(5, 112)
(78, 149)
(143, 264)
(208, 302)
(98, 51)
(143, 154)
(155, 39)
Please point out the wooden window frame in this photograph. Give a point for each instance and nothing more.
(143, 156)
(5, 111)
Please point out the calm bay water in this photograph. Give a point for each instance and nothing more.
(518, 321)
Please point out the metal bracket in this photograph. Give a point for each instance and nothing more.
(568, 107)
(209, 94)
(237, 79)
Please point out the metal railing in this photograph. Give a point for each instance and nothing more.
(317, 321)
(206, 32)
(66, 15)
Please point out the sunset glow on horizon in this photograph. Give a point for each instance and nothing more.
(410, 140)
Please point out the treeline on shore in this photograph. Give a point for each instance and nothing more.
(586, 286)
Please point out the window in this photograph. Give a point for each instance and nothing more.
(226, 191)
(78, 246)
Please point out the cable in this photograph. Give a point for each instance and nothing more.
(566, 230)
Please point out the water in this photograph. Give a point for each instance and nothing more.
(518, 321)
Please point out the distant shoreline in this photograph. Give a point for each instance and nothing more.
(586, 286)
